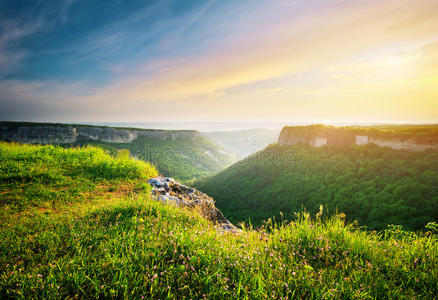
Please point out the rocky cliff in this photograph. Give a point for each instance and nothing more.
(320, 135)
(40, 133)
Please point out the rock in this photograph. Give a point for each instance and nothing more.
(170, 199)
(169, 191)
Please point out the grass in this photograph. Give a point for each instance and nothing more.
(114, 241)
(41, 176)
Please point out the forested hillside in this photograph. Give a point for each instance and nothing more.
(375, 186)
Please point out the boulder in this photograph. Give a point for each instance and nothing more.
(169, 191)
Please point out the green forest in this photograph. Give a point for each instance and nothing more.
(373, 185)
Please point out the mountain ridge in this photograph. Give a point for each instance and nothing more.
(408, 137)
(47, 133)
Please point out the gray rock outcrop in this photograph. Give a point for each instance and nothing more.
(169, 191)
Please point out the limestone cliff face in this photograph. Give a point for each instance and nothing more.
(63, 134)
(318, 135)
(394, 143)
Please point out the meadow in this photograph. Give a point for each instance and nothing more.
(80, 223)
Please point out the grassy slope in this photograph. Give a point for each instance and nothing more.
(376, 186)
(110, 239)
(183, 159)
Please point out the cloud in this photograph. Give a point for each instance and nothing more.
(323, 38)
(363, 42)
(37, 100)
(13, 29)
(270, 90)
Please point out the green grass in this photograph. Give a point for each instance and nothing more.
(33, 176)
(117, 242)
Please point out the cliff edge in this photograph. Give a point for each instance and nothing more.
(51, 133)
(398, 137)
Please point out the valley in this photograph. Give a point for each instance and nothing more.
(86, 213)
(243, 143)
(219, 149)
(374, 186)
(78, 222)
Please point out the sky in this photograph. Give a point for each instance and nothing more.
(314, 61)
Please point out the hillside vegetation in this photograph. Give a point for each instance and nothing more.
(183, 159)
(373, 185)
(97, 233)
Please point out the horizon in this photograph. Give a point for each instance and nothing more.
(328, 62)
(212, 127)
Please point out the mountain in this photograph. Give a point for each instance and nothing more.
(244, 142)
(374, 185)
(183, 154)
(79, 223)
